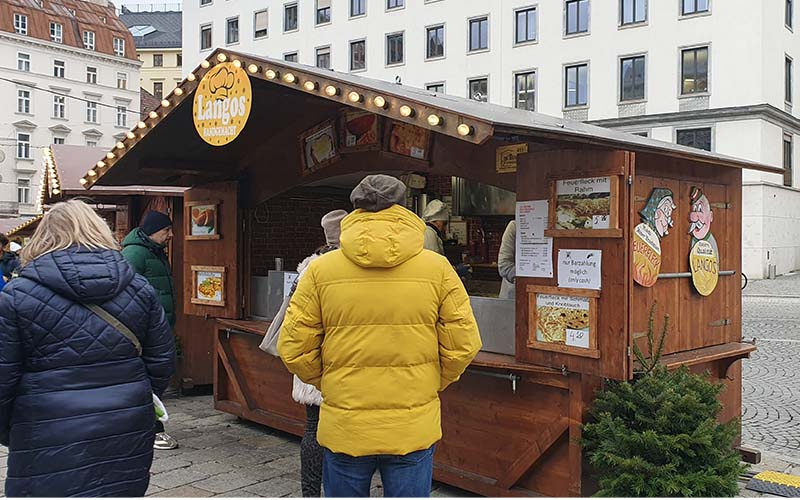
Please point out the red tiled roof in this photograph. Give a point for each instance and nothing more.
(147, 102)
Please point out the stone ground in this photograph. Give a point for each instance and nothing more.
(221, 455)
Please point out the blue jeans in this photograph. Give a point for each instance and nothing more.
(402, 475)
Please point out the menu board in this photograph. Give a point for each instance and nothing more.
(534, 252)
(583, 203)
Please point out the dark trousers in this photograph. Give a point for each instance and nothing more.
(402, 475)
(311, 455)
(159, 426)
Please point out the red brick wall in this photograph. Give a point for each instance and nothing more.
(289, 228)
(493, 227)
(438, 185)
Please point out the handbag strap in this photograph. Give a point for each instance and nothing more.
(117, 324)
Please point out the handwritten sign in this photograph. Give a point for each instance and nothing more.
(288, 282)
(534, 252)
(579, 269)
(578, 338)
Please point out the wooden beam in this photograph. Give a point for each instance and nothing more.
(546, 439)
(476, 483)
(237, 378)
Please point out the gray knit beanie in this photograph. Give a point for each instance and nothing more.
(378, 192)
(332, 225)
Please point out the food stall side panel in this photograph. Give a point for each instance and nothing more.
(535, 176)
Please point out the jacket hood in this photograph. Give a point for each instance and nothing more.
(137, 237)
(382, 239)
(81, 274)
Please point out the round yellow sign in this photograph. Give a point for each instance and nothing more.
(646, 255)
(704, 264)
(222, 104)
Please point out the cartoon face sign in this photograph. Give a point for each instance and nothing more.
(658, 211)
(701, 216)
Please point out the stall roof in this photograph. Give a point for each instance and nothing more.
(20, 225)
(140, 153)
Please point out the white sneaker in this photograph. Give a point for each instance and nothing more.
(164, 442)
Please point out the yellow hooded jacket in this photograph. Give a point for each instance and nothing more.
(380, 327)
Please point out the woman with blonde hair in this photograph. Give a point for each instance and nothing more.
(76, 391)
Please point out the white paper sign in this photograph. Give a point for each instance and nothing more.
(584, 187)
(577, 338)
(534, 252)
(288, 282)
(579, 269)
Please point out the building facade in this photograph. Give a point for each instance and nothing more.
(68, 75)
(707, 73)
(157, 36)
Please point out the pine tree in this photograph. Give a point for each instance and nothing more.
(658, 436)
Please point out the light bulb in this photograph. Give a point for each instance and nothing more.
(101, 164)
(110, 156)
(379, 101)
(120, 145)
(252, 68)
(178, 91)
(56, 191)
(289, 78)
(153, 115)
(83, 181)
(91, 173)
(465, 130)
(191, 76)
(354, 97)
(222, 57)
(309, 85)
(205, 64)
(434, 120)
(237, 63)
(271, 74)
(406, 111)
(331, 90)
(165, 103)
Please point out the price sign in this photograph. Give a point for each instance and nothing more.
(600, 221)
(577, 338)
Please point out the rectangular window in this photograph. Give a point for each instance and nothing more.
(24, 191)
(787, 160)
(122, 81)
(119, 47)
(290, 17)
(158, 90)
(435, 42)
(290, 57)
(23, 146)
(58, 140)
(260, 24)
(631, 78)
(91, 144)
(232, 31)
(179, 60)
(58, 69)
(56, 32)
(789, 13)
(632, 11)
(689, 7)
(358, 8)
(91, 74)
(205, 2)
(23, 62)
(91, 112)
(323, 11)
(525, 25)
(20, 24)
(88, 40)
(479, 89)
(205, 37)
(699, 138)
(324, 57)
(358, 55)
(694, 70)
(394, 4)
(59, 106)
(394, 49)
(435, 87)
(576, 91)
(24, 101)
(577, 17)
(122, 116)
(479, 34)
(158, 60)
(788, 80)
(525, 91)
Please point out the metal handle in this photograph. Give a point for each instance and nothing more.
(505, 376)
(689, 275)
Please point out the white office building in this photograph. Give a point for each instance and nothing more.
(68, 75)
(715, 74)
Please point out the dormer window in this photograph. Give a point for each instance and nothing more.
(20, 24)
(88, 40)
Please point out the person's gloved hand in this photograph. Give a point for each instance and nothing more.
(463, 270)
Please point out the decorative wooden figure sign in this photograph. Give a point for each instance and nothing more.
(704, 253)
(360, 131)
(202, 222)
(657, 220)
(318, 147)
(208, 285)
(563, 320)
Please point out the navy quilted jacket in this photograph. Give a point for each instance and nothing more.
(76, 404)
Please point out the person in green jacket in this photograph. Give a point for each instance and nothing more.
(144, 248)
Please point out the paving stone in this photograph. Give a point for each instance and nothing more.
(186, 492)
(263, 472)
(250, 459)
(226, 482)
(208, 455)
(211, 468)
(277, 487)
(207, 440)
(175, 478)
(288, 463)
(238, 494)
(168, 464)
(153, 490)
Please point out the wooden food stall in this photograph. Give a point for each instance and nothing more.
(608, 223)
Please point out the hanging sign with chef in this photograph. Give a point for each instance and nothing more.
(656, 223)
(704, 254)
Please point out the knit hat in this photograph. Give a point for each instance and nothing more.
(331, 224)
(378, 192)
(154, 222)
(436, 210)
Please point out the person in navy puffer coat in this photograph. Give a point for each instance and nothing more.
(76, 406)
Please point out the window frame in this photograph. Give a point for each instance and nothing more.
(58, 140)
(695, 128)
(22, 62)
(228, 31)
(564, 32)
(124, 80)
(634, 23)
(62, 68)
(475, 79)
(62, 105)
(694, 47)
(160, 58)
(210, 28)
(442, 84)
(89, 40)
(788, 79)
(24, 190)
(620, 80)
(317, 54)
(397, 7)
(59, 31)
(402, 35)
(565, 91)
(515, 33)
(482, 17)
(788, 15)
(295, 53)
(788, 173)
(206, 3)
(521, 72)
(350, 9)
(92, 110)
(430, 27)
(317, 10)
(24, 103)
(94, 73)
(119, 51)
(256, 36)
(696, 13)
(156, 93)
(350, 55)
(22, 28)
(286, 7)
(26, 146)
(121, 111)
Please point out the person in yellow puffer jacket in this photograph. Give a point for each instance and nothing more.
(380, 326)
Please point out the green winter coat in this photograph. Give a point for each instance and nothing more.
(148, 259)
